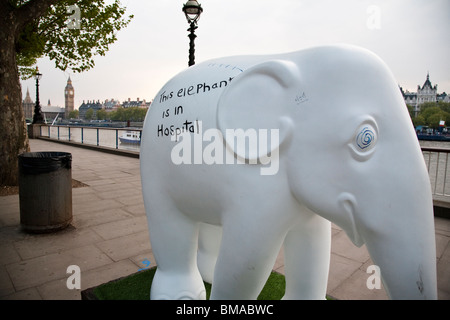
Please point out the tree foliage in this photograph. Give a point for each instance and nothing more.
(30, 29)
(125, 114)
(89, 114)
(74, 114)
(431, 113)
(102, 114)
(70, 46)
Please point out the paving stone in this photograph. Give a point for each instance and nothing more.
(57, 289)
(341, 268)
(127, 246)
(136, 210)
(37, 245)
(442, 242)
(132, 200)
(93, 205)
(355, 287)
(342, 245)
(37, 271)
(443, 272)
(142, 260)
(99, 217)
(27, 294)
(6, 285)
(121, 228)
(8, 254)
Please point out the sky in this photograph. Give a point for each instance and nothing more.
(411, 36)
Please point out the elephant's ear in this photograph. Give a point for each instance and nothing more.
(257, 100)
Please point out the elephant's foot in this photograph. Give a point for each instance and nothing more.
(305, 296)
(173, 286)
(184, 295)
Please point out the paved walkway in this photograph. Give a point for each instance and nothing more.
(108, 238)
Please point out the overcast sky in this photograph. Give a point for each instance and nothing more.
(411, 36)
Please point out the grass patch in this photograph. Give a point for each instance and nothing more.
(137, 287)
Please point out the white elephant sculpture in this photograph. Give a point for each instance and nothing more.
(261, 151)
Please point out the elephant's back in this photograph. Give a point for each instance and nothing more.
(187, 103)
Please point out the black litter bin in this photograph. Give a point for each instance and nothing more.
(45, 191)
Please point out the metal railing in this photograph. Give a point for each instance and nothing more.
(436, 159)
(96, 136)
(438, 167)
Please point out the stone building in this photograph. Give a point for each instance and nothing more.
(85, 106)
(28, 106)
(52, 113)
(111, 105)
(425, 93)
(137, 103)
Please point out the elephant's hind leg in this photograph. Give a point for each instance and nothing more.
(174, 244)
(208, 250)
(246, 257)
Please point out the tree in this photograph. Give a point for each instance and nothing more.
(140, 114)
(101, 114)
(30, 29)
(74, 114)
(131, 113)
(89, 114)
(411, 111)
(432, 114)
(419, 121)
(117, 115)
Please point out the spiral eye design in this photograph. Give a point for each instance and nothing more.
(362, 144)
(365, 138)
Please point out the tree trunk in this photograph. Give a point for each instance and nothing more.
(13, 131)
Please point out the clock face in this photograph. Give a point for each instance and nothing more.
(66, 91)
(71, 92)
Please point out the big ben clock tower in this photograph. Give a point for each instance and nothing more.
(69, 95)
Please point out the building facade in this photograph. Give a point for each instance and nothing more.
(28, 106)
(111, 105)
(136, 103)
(425, 93)
(52, 113)
(85, 106)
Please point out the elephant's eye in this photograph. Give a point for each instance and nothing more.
(364, 141)
(365, 138)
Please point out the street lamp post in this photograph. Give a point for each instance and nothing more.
(192, 10)
(37, 117)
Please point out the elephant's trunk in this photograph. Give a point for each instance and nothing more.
(407, 262)
(402, 242)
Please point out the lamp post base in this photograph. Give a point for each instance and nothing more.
(34, 130)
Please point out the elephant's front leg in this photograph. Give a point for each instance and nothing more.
(247, 254)
(307, 258)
